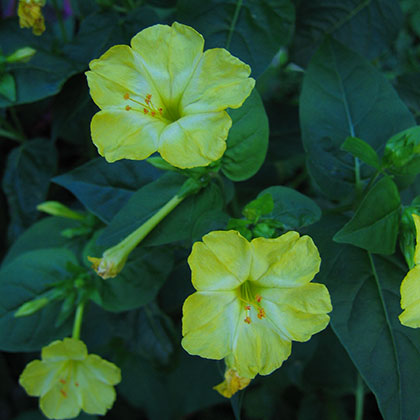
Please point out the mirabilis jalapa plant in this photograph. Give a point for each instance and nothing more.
(164, 94)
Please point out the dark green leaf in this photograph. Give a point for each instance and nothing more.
(361, 150)
(262, 205)
(8, 87)
(343, 95)
(253, 30)
(43, 234)
(177, 226)
(368, 26)
(26, 181)
(22, 280)
(139, 282)
(104, 188)
(149, 333)
(366, 300)
(248, 140)
(291, 208)
(374, 226)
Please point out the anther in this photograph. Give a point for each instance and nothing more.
(153, 113)
(148, 98)
(261, 313)
(258, 298)
(248, 307)
(247, 320)
(160, 111)
(76, 383)
(62, 381)
(127, 107)
(63, 393)
(145, 110)
(126, 96)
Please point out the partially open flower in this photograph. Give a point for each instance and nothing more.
(164, 94)
(253, 299)
(410, 287)
(30, 15)
(68, 380)
(232, 383)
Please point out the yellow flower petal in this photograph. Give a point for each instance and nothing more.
(195, 140)
(170, 54)
(209, 319)
(69, 348)
(125, 134)
(219, 81)
(266, 252)
(55, 405)
(117, 72)
(220, 262)
(416, 219)
(294, 266)
(410, 298)
(257, 348)
(37, 377)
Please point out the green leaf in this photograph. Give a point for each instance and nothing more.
(374, 226)
(177, 226)
(44, 74)
(361, 150)
(365, 296)
(139, 282)
(247, 142)
(253, 30)
(8, 87)
(104, 188)
(148, 332)
(343, 95)
(22, 280)
(43, 234)
(291, 208)
(26, 181)
(368, 27)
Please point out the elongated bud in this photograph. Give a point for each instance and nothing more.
(22, 55)
(57, 209)
(29, 308)
(232, 383)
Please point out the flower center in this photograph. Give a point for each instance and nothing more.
(251, 302)
(65, 380)
(148, 108)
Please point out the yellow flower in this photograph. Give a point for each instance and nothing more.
(253, 299)
(30, 15)
(410, 287)
(69, 380)
(232, 383)
(164, 94)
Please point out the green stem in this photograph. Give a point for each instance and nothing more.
(132, 240)
(359, 394)
(233, 23)
(59, 15)
(78, 320)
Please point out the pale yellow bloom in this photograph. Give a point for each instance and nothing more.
(30, 15)
(165, 94)
(253, 299)
(68, 380)
(410, 287)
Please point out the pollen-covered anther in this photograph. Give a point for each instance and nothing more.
(247, 320)
(127, 107)
(261, 313)
(148, 98)
(145, 111)
(126, 96)
(63, 381)
(248, 307)
(63, 393)
(258, 298)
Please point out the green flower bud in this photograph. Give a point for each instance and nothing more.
(57, 209)
(22, 55)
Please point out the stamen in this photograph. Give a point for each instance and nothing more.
(258, 298)
(126, 96)
(261, 313)
(153, 113)
(63, 381)
(63, 393)
(127, 107)
(248, 307)
(247, 320)
(145, 110)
